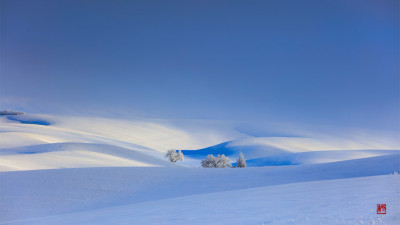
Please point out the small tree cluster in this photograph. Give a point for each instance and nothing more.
(241, 161)
(174, 156)
(221, 161)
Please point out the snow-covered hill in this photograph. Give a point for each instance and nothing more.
(258, 155)
(73, 155)
(29, 142)
(85, 170)
(317, 157)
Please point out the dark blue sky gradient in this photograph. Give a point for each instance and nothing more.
(327, 62)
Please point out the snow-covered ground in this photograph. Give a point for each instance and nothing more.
(85, 170)
(345, 201)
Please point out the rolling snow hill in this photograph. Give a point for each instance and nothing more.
(88, 170)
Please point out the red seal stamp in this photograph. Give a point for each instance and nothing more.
(381, 208)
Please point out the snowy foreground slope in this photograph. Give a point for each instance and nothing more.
(39, 193)
(346, 201)
(83, 170)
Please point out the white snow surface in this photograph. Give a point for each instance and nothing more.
(39, 193)
(88, 170)
(345, 201)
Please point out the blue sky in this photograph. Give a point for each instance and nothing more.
(319, 62)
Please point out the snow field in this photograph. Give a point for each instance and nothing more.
(84, 170)
(345, 201)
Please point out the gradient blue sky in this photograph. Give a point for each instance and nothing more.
(320, 62)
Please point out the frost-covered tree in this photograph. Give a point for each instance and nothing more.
(174, 156)
(221, 161)
(208, 162)
(180, 155)
(241, 161)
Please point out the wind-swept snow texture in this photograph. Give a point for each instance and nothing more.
(83, 170)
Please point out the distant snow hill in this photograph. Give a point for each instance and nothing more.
(265, 155)
(28, 142)
(90, 170)
(27, 119)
